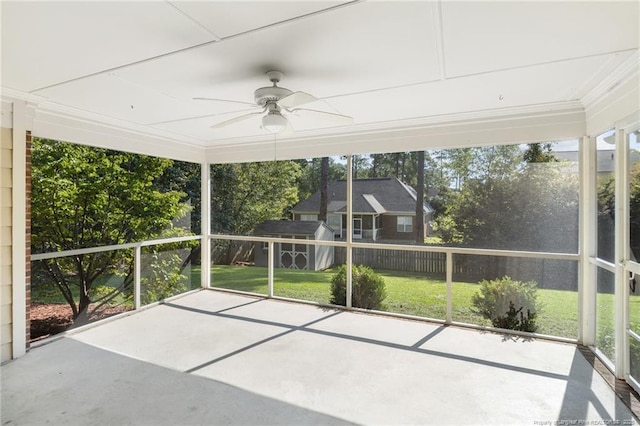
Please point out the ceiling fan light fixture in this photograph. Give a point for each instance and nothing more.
(274, 122)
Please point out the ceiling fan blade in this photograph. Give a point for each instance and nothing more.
(235, 120)
(287, 130)
(339, 119)
(296, 99)
(224, 100)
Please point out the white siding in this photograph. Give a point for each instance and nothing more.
(5, 244)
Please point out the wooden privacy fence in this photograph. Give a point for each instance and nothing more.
(395, 260)
(547, 273)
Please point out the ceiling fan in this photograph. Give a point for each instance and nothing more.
(276, 104)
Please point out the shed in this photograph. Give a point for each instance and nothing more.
(295, 256)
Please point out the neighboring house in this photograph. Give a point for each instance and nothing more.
(383, 209)
(295, 256)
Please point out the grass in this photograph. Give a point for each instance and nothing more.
(407, 293)
(44, 292)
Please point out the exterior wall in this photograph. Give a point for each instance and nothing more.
(6, 213)
(11, 288)
(390, 229)
(260, 255)
(321, 256)
(27, 248)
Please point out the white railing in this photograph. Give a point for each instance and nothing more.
(448, 251)
(137, 255)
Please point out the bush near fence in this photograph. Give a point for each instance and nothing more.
(548, 273)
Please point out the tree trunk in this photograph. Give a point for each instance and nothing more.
(82, 316)
(397, 158)
(404, 173)
(324, 183)
(420, 200)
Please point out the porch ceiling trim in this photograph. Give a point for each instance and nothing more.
(547, 122)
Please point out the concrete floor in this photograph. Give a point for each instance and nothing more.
(218, 358)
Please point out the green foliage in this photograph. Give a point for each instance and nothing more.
(162, 271)
(244, 195)
(401, 165)
(508, 304)
(510, 204)
(446, 228)
(184, 177)
(368, 288)
(310, 175)
(90, 197)
(634, 209)
(606, 205)
(539, 153)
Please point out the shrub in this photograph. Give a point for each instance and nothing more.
(368, 288)
(508, 304)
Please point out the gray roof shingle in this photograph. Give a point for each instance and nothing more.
(290, 227)
(374, 195)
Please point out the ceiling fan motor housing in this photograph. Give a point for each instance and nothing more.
(264, 95)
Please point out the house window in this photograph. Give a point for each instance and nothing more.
(405, 224)
(309, 217)
(265, 245)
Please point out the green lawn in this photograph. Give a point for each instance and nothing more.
(406, 293)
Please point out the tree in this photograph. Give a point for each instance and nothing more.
(89, 197)
(309, 179)
(459, 162)
(360, 165)
(401, 165)
(420, 199)
(246, 194)
(185, 177)
(606, 212)
(634, 207)
(504, 202)
(539, 153)
(324, 183)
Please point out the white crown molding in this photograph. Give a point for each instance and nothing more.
(44, 105)
(627, 70)
(493, 115)
(538, 123)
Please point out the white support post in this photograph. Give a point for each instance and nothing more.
(621, 253)
(449, 316)
(587, 286)
(18, 230)
(349, 289)
(271, 255)
(137, 275)
(205, 226)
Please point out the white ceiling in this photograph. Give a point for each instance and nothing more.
(382, 62)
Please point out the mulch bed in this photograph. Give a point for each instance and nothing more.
(53, 318)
